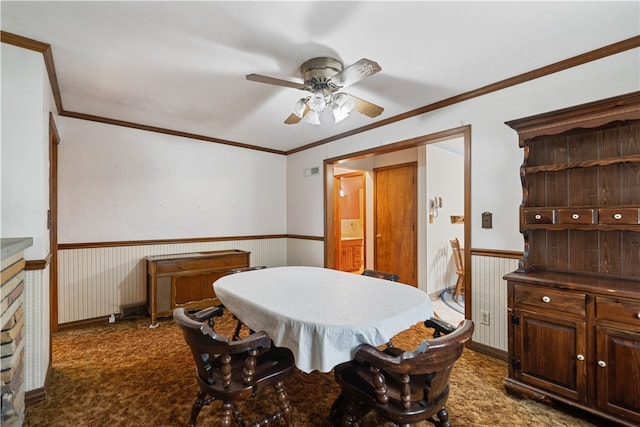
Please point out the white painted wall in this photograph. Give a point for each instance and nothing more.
(495, 155)
(27, 100)
(117, 183)
(26, 97)
(445, 179)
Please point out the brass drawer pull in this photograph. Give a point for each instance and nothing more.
(575, 216)
(617, 216)
(546, 299)
(602, 363)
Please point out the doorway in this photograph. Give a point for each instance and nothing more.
(354, 161)
(349, 197)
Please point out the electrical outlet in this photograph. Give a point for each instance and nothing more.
(112, 318)
(485, 318)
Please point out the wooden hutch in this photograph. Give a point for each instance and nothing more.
(574, 302)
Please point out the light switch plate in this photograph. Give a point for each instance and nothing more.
(487, 220)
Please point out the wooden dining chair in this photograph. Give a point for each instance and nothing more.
(233, 371)
(243, 269)
(404, 389)
(239, 324)
(381, 275)
(459, 261)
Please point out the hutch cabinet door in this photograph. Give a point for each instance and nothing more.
(550, 352)
(618, 371)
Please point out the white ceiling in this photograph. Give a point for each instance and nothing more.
(182, 65)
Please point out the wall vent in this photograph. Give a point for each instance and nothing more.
(311, 171)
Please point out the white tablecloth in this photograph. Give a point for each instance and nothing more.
(322, 315)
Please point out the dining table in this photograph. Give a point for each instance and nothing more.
(322, 315)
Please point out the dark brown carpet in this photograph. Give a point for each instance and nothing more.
(126, 374)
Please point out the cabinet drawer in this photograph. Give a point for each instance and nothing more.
(576, 216)
(202, 263)
(539, 216)
(618, 310)
(570, 302)
(619, 216)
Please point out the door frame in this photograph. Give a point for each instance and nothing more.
(54, 141)
(463, 132)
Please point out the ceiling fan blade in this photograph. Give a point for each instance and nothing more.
(293, 118)
(273, 81)
(355, 72)
(365, 107)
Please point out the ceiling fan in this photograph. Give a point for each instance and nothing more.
(324, 77)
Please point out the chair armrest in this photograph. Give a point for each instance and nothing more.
(441, 327)
(256, 340)
(380, 359)
(424, 346)
(373, 356)
(207, 313)
(243, 269)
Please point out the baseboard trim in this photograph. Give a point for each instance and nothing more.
(86, 322)
(489, 351)
(37, 395)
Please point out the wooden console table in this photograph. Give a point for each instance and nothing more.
(186, 280)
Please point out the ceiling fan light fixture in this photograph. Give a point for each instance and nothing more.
(342, 105)
(313, 117)
(339, 99)
(317, 102)
(349, 105)
(300, 106)
(323, 77)
(339, 114)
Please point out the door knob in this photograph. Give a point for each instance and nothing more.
(378, 236)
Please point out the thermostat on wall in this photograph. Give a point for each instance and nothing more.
(311, 171)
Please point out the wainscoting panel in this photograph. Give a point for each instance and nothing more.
(95, 282)
(490, 295)
(305, 252)
(37, 328)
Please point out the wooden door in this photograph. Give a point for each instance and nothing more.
(396, 211)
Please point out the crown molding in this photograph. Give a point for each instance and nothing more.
(45, 49)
